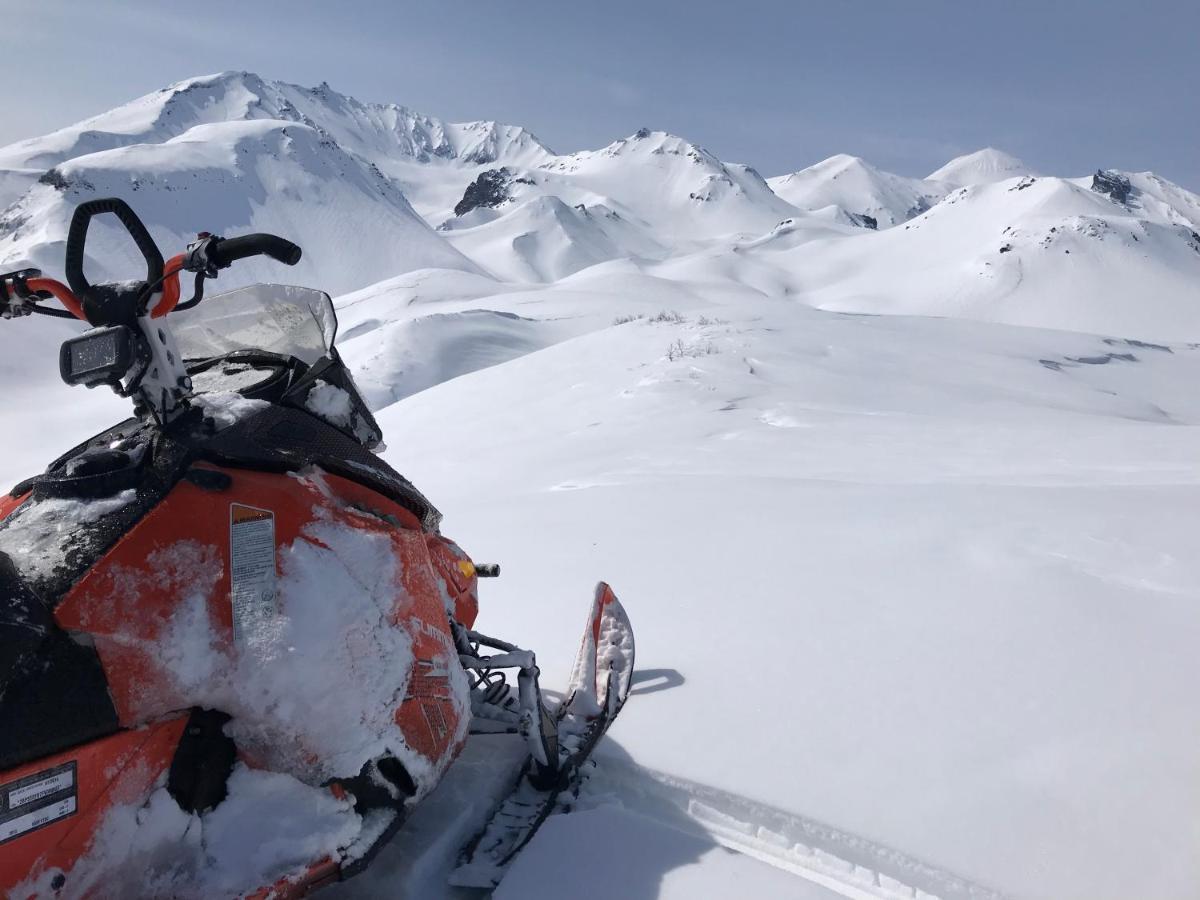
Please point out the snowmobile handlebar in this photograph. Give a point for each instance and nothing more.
(20, 291)
(231, 250)
(77, 241)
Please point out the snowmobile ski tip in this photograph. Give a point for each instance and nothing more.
(599, 686)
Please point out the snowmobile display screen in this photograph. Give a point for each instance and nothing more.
(101, 356)
(276, 318)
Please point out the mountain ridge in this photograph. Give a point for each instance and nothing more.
(372, 191)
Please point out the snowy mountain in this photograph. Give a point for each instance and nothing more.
(650, 195)
(1029, 251)
(372, 191)
(858, 188)
(544, 239)
(354, 223)
(675, 186)
(981, 167)
(233, 152)
(372, 131)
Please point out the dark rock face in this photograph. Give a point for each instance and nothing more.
(922, 206)
(488, 190)
(54, 179)
(1112, 184)
(862, 220)
(60, 182)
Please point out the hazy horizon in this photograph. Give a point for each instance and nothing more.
(1068, 88)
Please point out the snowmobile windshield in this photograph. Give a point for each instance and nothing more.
(275, 318)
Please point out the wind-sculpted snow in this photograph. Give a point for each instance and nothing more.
(981, 167)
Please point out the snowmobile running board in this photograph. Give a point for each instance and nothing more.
(562, 743)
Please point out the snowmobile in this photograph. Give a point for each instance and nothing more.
(229, 605)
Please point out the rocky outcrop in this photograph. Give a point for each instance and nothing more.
(490, 189)
(1112, 184)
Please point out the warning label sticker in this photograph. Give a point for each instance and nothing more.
(252, 570)
(37, 800)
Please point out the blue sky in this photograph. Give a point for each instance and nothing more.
(1068, 86)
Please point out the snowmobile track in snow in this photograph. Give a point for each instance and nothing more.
(842, 862)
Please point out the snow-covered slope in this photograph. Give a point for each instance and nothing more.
(648, 196)
(675, 186)
(235, 152)
(373, 131)
(981, 167)
(232, 153)
(885, 571)
(1030, 251)
(857, 187)
(1159, 199)
(354, 224)
(544, 239)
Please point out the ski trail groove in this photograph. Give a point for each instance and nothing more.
(845, 863)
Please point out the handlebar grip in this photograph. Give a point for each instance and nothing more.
(77, 240)
(232, 249)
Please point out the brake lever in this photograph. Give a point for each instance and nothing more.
(16, 299)
(197, 258)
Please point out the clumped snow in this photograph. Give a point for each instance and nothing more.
(38, 536)
(270, 826)
(227, 407)
(336, 599)
(330, 402)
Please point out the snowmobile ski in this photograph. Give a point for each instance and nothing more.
(599, 686)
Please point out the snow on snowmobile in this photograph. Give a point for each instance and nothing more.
(235, 648)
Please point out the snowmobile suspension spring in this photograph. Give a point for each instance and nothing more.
(494, 687)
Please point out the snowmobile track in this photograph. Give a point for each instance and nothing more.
(845, 863)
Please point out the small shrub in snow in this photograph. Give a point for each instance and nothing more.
(625, 320)
(677, 349)
(669, 316)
